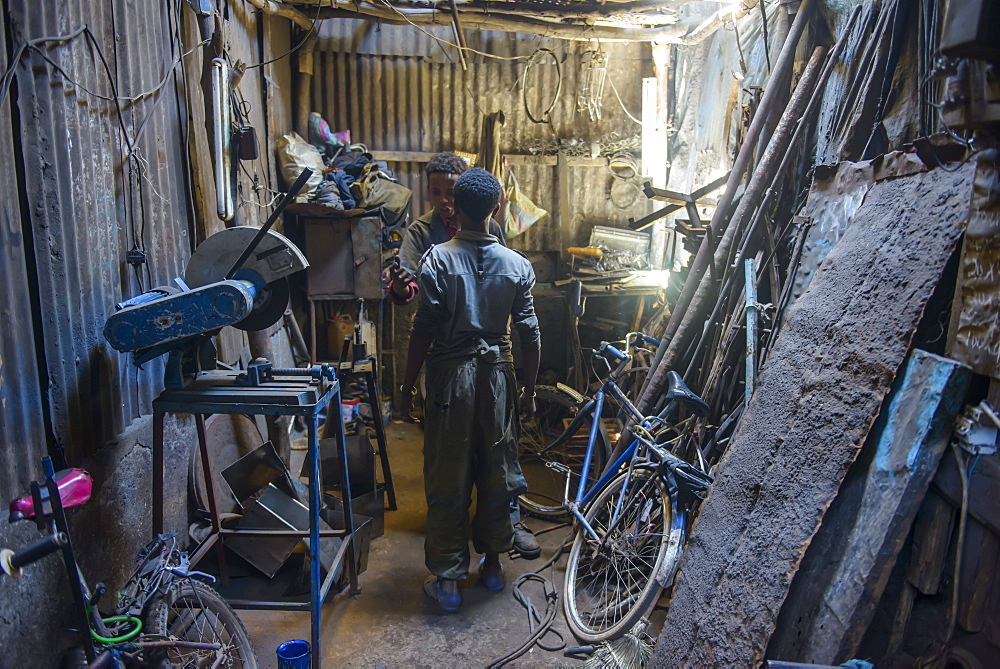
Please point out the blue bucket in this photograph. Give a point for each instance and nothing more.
(293, 655)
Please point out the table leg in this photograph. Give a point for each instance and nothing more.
(315, 583)
(157, 474)
(213, 507)
(383, 453)
(352, 565)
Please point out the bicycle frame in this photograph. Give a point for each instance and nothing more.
(585, 495)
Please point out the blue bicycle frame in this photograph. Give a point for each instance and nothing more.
(585, 495)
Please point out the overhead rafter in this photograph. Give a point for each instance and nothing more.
(626, 20)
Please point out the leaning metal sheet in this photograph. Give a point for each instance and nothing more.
(815, 402)
(975, 333)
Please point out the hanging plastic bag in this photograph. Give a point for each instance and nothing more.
(521, 213)
(296, 154)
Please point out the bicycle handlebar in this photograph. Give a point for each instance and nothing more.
(608, 348)
(12, 562)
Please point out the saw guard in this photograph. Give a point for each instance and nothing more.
(276, 257)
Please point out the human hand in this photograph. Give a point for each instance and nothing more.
(401, 279)
(526, 403)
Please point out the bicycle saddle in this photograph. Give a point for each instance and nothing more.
(75, 486)
(678, 390)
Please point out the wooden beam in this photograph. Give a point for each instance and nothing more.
(931, 537)
(984, 490)
(513, 159)
(564, 208)
(816, 399)
(844, 574)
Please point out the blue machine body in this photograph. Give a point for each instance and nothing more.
(167, 318)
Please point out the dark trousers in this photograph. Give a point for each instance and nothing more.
(470, 439)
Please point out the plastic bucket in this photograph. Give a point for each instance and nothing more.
(347, 409)
(293, 655)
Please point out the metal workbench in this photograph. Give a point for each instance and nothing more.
(219, 392)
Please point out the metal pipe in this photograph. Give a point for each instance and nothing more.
(762, 176)
(657, 377)
(800, 129)
(752, 308)
(221, 140)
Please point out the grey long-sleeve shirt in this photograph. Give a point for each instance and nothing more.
(427, 231)
(473, 287)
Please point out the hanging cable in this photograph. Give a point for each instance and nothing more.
(543, 622)
(546, 116)
(611, 80)
(451, 44)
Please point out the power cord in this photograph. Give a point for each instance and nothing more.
(538, 625)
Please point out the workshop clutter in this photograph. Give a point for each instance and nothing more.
(346, 178)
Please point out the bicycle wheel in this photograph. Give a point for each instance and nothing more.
(192, 611)
(611, 583)
(555, 410)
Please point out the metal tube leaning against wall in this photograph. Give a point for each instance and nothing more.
(771, 192)
(653, 386)
(756, 189)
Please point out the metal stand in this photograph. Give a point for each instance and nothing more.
(367, 370)
(223, 392)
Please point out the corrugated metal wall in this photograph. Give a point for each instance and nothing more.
(89, 203)
(22, 431)
(397, 89)
(704, 111)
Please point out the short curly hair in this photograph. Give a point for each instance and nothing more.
(477, 193)
(446, 163)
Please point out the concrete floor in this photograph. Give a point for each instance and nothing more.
(392, 623)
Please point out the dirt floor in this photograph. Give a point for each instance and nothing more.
(392, 623)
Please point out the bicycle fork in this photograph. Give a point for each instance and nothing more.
(574, 506)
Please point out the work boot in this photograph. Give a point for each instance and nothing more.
(525, 542)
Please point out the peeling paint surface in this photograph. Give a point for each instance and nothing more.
(975, 338)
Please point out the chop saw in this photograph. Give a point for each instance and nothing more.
(237, 277)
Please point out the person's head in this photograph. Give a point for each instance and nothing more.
(442, 170)
(477, 196)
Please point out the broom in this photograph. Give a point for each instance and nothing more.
(630, 651)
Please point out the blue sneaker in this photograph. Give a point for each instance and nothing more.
(493, 583)
(447, 603)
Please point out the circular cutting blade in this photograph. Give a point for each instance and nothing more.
(268, 306)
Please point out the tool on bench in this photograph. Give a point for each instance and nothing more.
(236, 277)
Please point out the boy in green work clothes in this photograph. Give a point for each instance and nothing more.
(471, 289)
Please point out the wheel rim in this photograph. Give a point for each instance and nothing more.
(192, 617)
(610, 583)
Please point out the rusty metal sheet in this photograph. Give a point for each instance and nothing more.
(974, 336)
(816, 399)
(835, 195)
(89, 204)
(22, 427)
(394, 97)
(834, 595)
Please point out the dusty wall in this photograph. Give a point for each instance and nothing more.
(398, 89)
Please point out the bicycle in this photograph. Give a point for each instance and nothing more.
(630, 522)
(163, 617)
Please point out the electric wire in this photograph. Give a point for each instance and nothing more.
(611, 80)
(449, 43)
(543, 622)
(312, 31)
